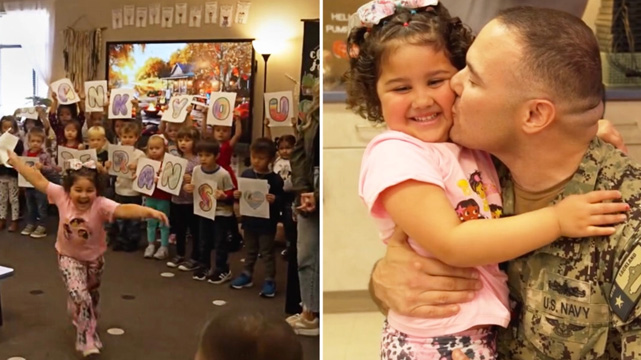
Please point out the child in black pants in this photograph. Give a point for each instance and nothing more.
(213, 233)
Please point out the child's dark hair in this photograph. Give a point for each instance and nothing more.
(38, 123)
(78, 127)
(37, 131)
(288, 139)
(73, 109)
(189, 132)
(71, 176)
(130, 128)
(431, 26)
(209, 146)
(10, 119)
(248, 335)
(263, 146)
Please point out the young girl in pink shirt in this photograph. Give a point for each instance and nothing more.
(403, 54)
(80, 241)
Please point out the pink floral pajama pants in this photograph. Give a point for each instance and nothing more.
(82, 279)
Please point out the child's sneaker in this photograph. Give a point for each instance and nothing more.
(28, 230)
(269, 289)
(40, 232)
(161, 253)
(189, 265)
(200, 275)
(292, 319)
(149, 251)
(305, 327)
(242, 281)
(175, 262)
(219, 277)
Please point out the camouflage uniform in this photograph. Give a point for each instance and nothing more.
(570, 300)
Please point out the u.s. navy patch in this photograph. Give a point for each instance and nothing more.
(626, 291)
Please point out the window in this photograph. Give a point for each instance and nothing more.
(17, 79)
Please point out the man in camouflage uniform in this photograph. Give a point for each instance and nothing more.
(575, 298)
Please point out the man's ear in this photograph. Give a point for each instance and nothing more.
(538, 115)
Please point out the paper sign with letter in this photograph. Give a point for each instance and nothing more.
(30, 161)
(120, 105)
(65, 154)
(253, 201)
(28, 112)
(171, 176)
(279, 108)
(86, 155)
(120, 157)
(177, 110)
(221, 109)
(204, 199)
(65, 92)
(145, 182)
(8, 142)
(95, 95)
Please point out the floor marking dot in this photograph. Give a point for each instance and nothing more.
(167, 274)
(115, 331)
(219, 302)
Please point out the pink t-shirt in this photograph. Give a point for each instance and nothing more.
(470, 183)
(81, 234)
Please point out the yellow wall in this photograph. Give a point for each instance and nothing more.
(272, 18)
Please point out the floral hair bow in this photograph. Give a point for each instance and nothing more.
(162, 136)
(75, 164)
(374, 11)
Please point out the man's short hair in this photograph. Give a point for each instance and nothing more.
(130, 128)
(263, 146)
(560, 54)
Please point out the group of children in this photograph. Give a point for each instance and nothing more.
(82, 234)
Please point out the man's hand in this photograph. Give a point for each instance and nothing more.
(417, 286)
(608, 133)
(270, 198)
(308, 202)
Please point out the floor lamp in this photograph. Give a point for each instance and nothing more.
(262, 120)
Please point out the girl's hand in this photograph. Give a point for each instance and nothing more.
(189, 188)
(108, 165)
(38, 166)
(12, 158)
(187, 179)
(158, 215)
(81, 146)
(220, 195)
(270, 198)
(132, 167)
(584, 215)
(237, 194)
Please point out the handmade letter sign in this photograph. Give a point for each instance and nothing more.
(171, 176)
(211, 12)
(253, 201)
(65, 153)
(120, 106)
(204, 200)
(86, 155)
(8, 142)
(29, 113)
(167, 17)
(145, 182)
(177, 110)
(31, 162)
(279, 107)
(120, 157)
(95, 95)
(65, 92)
(221, 109)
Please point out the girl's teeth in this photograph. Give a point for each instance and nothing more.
(426, 118)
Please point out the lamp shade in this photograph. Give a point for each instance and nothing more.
(268, 46)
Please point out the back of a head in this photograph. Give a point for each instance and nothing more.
(245, 335)
(560, 54)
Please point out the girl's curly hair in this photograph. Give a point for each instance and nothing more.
(71, 176)
(432, 26)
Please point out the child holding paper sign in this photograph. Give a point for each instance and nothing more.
(9, 180)
(60, 115)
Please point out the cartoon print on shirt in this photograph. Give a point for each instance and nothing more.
(496, 211)
(77, 230)
(468, 210)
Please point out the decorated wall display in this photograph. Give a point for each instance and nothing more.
(154, 14)
(195, 16)
(172, 173)
(65, 92)
(279, 108)
(221, 109)
(177, 110)
(8, 142)
(204, 199)
(30, 161)
(181, 14)
(120, 157)
(116, 18)
(226, 13)
(211, 12)
(120, 105)
(167, 17)
(253, 199)
(146, 170)
(130, 13)
(141, 17)
(242, 12)
(28, 112)
(95, 95)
